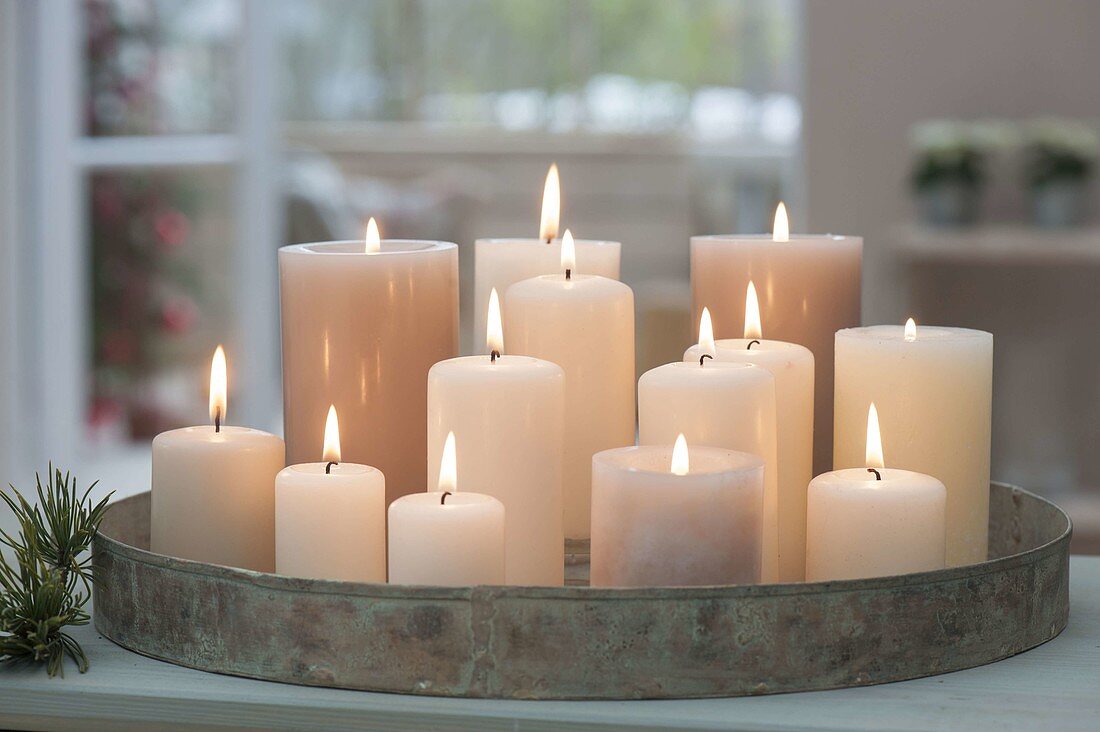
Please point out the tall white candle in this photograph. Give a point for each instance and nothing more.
(515, 405)
(330, 517)
(874, 521)
(934, 389)
(792, 366)
(214, 488)
(585, 324)
(667, 516)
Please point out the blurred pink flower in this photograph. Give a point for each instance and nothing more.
(179, 315)
(172, 228)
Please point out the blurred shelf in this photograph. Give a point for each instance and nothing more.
(999, 245)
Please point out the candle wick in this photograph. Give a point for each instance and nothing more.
(494, 355)
(443, 498)
(751, 344)
(549, 240)
(705, 355)
(218, 421)
(568, 274)
(328, 467)
(878, 475)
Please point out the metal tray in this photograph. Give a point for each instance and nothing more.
(586, 643)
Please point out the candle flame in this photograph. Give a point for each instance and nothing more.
(331, 453)
(753, 329)
(568, 251)
(910, 330)
(551, 205)
(706, 334)
(448, 466)
(494, 332)
(874, 440)
(373, 241)
(781, 228)
(218, 386)
(680, 464)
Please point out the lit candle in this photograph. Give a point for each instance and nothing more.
(214, 488)
(515, 406)
(664, 516)
(934, 387)
(874, 521)
(363, 321)
(447, 537)
(585, 324)
(792, 366)
(330, 517)
(500, 263)
(809, 288)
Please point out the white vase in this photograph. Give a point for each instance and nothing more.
(1059, 204)
(948, 204)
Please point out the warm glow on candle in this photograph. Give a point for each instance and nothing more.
(753, 329)
(781, 228)
(494, 331)
(373, 241)
(218, 386)
(448, 466)
(331, 453)
(874, 440)
(680, 456)
(568, 252)
(551, 205)
(910, 330)
(706, 334)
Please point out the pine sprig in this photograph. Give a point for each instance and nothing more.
(45, 581)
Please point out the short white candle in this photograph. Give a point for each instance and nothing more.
(670, 516)
(874, 521)
(330, 517)
(214, 488)
(446, 537)
(585, 324)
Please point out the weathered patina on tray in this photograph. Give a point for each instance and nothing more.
(586, 643)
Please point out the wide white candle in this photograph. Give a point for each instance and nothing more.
(500, 263)
(809, 289)
(667, 516)
(874, 521)
(214, 489)
(330, 517)
(362, 324)
(446, 537)
(718, 404)
(515, 406)
(792, 366)
(585, 324)
(934, 388)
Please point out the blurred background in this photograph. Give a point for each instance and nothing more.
(155, 153)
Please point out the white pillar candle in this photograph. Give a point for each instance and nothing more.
(500, 263)
(717, 404)
(809, 289)
(792, 366)
(214, 489)
(446, 537)
(585, 324)
(330, 517)
(515, 405)
(667, 516)
(934, 388)
(362, 324)
(874, 521)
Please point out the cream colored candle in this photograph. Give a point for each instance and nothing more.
(718, 404)
(446, 537)
(515, 408)
(874, 521)
(361, 327)
(792, 366)
(670, 516)
(585, 324)
(934, 389)
(500, 263)
(330, 517)
(809, 288)
(214, 489)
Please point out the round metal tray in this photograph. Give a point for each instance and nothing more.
(588, 643)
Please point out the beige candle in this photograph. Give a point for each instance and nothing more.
(214, 489)
(934, 389)
(361, 327)
(585, 324)
(809, 288)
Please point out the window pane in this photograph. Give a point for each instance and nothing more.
(161, 294)
(159, 66)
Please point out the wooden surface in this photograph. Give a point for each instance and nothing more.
(1054, 686)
